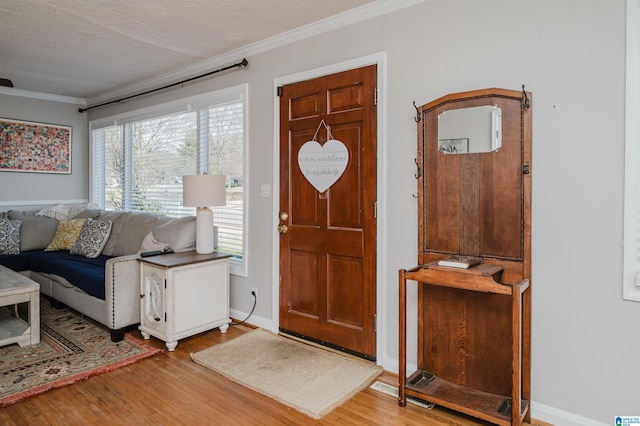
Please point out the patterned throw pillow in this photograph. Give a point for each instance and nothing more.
(10, 236)
(92, 239)
(66, 234)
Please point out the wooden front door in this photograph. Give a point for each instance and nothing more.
(328, 248)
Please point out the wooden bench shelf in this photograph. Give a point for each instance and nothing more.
(479, 404)
(472, 400)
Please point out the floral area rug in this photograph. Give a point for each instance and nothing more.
(71, 349)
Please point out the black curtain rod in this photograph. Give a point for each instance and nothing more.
(242, 63)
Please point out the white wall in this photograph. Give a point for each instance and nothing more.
(571, 56)
(30, 189)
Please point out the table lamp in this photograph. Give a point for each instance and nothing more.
(203, 191)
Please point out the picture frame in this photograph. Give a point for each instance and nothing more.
(27, 146)
(453, 146)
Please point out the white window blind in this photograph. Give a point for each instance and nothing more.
(226, 129)
(139, 160)
(163, 150)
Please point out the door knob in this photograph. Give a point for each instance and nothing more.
(282, 228)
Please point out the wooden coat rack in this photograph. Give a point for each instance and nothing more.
(474, 325)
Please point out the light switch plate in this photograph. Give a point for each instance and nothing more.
(265, 190)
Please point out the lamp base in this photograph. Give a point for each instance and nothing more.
(204, 230)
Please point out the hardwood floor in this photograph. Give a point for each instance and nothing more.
(170, 389)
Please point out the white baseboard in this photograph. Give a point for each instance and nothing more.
(559, 417)
(254, 320)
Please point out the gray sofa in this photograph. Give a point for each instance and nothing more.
(114, 297)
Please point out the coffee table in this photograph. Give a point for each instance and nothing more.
(16, 288)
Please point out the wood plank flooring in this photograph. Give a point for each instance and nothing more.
(170, 389)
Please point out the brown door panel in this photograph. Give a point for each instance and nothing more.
(328, 254)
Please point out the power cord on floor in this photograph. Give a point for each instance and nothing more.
(255, 302)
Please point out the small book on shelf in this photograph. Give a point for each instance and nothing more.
(462, 262)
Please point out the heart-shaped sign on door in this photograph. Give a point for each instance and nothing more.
(322, 165)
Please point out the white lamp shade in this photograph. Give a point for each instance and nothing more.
(204, 191)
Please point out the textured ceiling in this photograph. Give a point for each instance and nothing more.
(83, 48)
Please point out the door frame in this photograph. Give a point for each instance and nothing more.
(378, 59)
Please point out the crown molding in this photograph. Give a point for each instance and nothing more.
(41, 96)
(362, 13)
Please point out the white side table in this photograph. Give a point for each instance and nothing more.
(14, 289)
(183, 294)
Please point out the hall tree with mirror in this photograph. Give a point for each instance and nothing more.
(474, 197)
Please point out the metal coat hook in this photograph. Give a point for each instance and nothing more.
(418, 118)
(527, 104)
(418, 174)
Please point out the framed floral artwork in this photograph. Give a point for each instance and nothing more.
(26, 146)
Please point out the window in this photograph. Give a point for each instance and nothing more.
(139, 158)
(631, 270)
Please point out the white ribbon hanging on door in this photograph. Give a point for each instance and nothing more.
(322, 165)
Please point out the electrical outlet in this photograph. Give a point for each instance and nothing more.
(254, 293)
